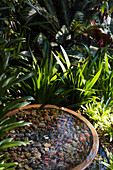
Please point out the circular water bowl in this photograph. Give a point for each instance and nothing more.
(61, 139)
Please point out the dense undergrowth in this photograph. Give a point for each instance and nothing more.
(56, 52)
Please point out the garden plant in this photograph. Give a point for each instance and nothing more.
(57, 52)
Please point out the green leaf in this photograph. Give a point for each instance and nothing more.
(7, 127)
(34, 59)
(66, 57)
(8, 166)
(3, 19)
(2, 168)
(106, 64)
(1, 155)
(3, 160)
(36, 9)
(12, 107)
(108, 165)
(59, 62)
(5, 140)
(102, 9)
(65, 11)
(7, 143)
(8, 120)
(39, 78)
(93, 81)
(13, 80)
(26, 87)
(4, 8)
(17, 102)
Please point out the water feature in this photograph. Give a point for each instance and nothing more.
(59, 141)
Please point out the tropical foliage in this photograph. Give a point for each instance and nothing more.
(56, 52)
(9, 76)
(101, 114)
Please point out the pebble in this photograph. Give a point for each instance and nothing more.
(37, 144)
(42, 125)
(59, 141)
(37, 155)
(47, 144)
(21, 135)
(46, 137)
(46, 149)
(33, 112)
(27, 167)
(12, 131)
(28, 155)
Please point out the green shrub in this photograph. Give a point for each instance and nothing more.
(101, 115)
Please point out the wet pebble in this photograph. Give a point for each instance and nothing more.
(42, 125)
(59, 141)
